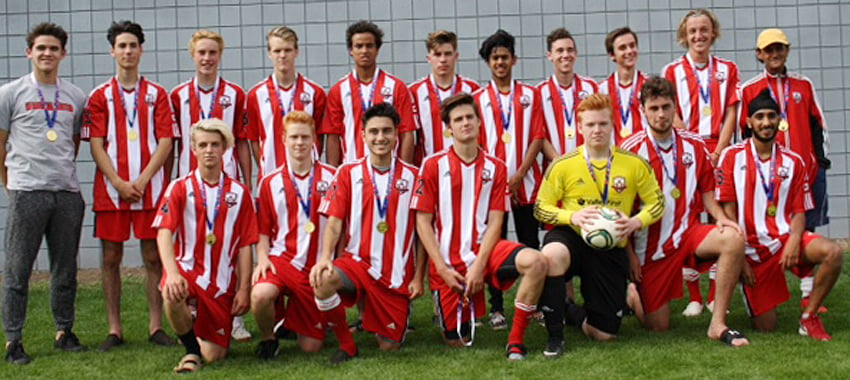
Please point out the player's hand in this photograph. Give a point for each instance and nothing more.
(626, 226)
(748, 277)
(264, 265)
(715, 156)
(127, 191)
(140, 185)
(452, 279)
(584, 216)
(474, 280)
(241, 303)
(176, 288)
(514, 185)
(791, 253)
(634, 268)
(416, 289)
(318, 272)
(726, 223)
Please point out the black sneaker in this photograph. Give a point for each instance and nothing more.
(68, 342)
(160, 338)
(15, 353)
(111, 342)
(268, 349)
(340, 356)
(554, 349)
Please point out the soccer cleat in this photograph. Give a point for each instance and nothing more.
(15, 353)
(239, 332)
(804, 303)
(340, 356)
(69, 342)
(268, 349)
(813, 328)
(111, 342)
(694, 309)
(554, 349)
(498, 321)
(516, 352)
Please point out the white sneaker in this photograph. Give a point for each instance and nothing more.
(240, 333)
(694, 309)
(710, 307)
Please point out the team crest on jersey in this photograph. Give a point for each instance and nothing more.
(525, 101)
(322, 187)
(687, 159)
(798, 97)
(583, 94)
(402, 185)
(486, 175)
(387, 93)
(619, 184)
(230, 199)
(782, 173)
(720, 76)
(150, 99)
(306, 99)
(225, 101)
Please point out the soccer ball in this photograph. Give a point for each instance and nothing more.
(601, 233)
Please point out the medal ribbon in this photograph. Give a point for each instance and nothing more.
(705, 94)
(51, 119)
(783, 105)
(626, 113)
(383, 205)
(305, 205)
(284, 111)
(213, 97)
(769, 190)
(471, 321)
(506, 118)
(675, 177)
(433, 84)
(568, 113)
(131, 120)
(363, 102)
(604, 193)
(218, 196)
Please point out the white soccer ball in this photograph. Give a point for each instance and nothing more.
(601, 232)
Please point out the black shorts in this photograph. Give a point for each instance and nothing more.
(603, 274)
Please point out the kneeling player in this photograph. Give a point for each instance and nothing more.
(206, 226)
(683, 169)
(461, 199)
(765, 187)
(370, 197)
(288, 220)
(594, 175)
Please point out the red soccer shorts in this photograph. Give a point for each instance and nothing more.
(771, 289)
(301, 314)
(213, 322)
(385, 311)
(115, 226)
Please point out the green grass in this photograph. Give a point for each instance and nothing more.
(683, 352)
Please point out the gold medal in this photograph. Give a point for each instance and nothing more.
(571, 133)
(383, 227)
(625, 133)
(675, 193)
(447, 133)
(507, 138)
(771, 210)
(706, 111)
(310, 227)
(52, 135)
(133, 135)
(783, 125)
(211, 239)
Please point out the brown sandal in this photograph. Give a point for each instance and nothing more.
(189, 364)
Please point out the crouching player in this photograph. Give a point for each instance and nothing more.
(206, 226)
(460, 202)
(289, 225)
(683, 169)
(370, 197)
(764, 186)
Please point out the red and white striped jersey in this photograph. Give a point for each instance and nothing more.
(183, 211)
(266, 106)
(796, 97)
(694, 176)
(388, 255)
(281, 217)
(738, 181)
(628, 117)
(559, 109)
(349, 99)
(130, 141)
(427, 98)
(461, 196)
(192, 104)
(719, 80)
(523, 110)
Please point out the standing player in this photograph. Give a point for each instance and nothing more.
(764, 187)
(623, 86)
(430, 92)
(561, 95)
(206, 225)
(802, 128)
(289, 224)
(684, 171)
(461, 200)
(40, 117)
(371, 198)
(284, 91)
(130, 126)
(355, 93)
(596, 174)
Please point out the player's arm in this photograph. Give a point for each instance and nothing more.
(4, 136)
(530, 158)
(332, 127)
(104, 164)
(330, 238)
(264, 264)
(428, 239)
(406, 146)
(726, 132)
(176, 288)
(243, 150)
(333, 151)
(650, 194)
(549, 150)
(791, 250)
(546, 208)
(244, 262)
(475, 274)
(716, 211)
(417, 286)
(158, 159)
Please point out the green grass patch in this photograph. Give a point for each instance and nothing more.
(683, 352)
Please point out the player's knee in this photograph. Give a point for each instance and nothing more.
(260, 298)
(733, 245)
(557, 258)
(834, 257)
(532, 263)
(112, 260)
(388, 345)
(212, 353)
(309, 345)
(765, 322)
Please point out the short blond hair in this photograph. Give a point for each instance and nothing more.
(205, 34)
(682, 35)
(213, 125)
(283, 32)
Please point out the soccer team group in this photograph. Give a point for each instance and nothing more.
(707, 174)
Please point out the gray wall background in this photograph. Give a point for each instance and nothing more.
(819, 32)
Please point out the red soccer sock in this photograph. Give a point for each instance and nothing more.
(522, 316)
(334, 314)
(693, 289)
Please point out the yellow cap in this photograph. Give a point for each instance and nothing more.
(771, 36)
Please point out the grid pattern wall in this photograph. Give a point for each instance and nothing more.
(820, 49)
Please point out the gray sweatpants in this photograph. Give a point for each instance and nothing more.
(58, 216)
